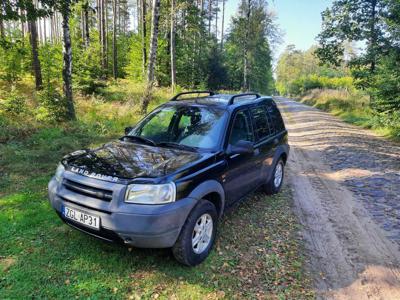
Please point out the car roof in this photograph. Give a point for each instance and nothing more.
(226, 101)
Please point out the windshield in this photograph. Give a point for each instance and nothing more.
(198, 127)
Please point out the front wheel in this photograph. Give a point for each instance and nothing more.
(274, 185)
(198, 234)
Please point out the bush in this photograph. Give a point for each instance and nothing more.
(87, 75)
(311, 82)
(13, 103)
(386, 86)
(52, 106)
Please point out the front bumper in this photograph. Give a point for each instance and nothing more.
(145, 226)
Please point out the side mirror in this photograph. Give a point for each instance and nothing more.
(241, 147)
(128, 129)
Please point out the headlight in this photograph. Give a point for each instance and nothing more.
(151, 193)
(59, 172)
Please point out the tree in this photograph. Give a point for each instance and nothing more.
(172, 50)
(85, 22)
(33, 38)
(102, 8)
(143, 31)
(248, 54)
(65, 10)
(152, 55)
(114, 44)
(223, 24)
(246, 85)
(353, 20)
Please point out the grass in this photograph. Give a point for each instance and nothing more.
(257, 253)
(352, 107)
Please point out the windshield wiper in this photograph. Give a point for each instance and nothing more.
(140, 138)
(176, 145)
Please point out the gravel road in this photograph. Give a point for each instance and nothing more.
(346, 184)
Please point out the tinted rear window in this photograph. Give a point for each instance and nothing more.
(261, 126)
(276, 118)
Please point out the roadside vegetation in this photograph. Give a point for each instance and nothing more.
(354, 72)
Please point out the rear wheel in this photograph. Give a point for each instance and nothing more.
(198, 234)
(274, 185)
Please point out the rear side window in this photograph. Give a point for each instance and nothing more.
(241, 129)
(276, 118)
(261, 126)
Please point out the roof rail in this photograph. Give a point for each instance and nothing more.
(175, 98)
(231, 100)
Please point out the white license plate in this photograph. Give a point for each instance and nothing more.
(81, 217)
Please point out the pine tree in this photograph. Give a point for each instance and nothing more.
(152, 55)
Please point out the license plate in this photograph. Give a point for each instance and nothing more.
(81, 217)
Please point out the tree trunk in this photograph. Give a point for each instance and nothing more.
(172, 44)
(143, 29)
(152, 55)
(114, 44)
(22, 15)
(245, 51)
(44, 30)
(67, 60)
(87, 29)
(223, 21)
(33, 38)
(373, 39)
(1, 28)
(103, 37)
(216, 19)
(209, 16)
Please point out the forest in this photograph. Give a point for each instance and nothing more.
(354, 69)
(67, 47)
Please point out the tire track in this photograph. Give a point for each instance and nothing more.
(349, 255)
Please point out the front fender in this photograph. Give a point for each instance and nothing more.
(207, 187)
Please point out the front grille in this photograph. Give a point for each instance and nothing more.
(90, 191)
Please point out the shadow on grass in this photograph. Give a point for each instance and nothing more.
(250, 257)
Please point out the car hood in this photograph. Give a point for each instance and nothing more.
(121, 159)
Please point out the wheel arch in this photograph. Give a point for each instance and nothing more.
(212, 191)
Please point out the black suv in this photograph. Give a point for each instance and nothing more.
(171, 177)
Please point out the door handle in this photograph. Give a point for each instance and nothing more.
(276, 142)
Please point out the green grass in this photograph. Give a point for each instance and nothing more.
(257, 253)
(352, 107)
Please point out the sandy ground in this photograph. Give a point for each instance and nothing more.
(349, 255)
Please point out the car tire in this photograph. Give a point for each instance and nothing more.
(197, 227)
(274, 185)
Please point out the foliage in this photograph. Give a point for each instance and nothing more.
(257, 48)
(51, 107)
(376, 24)
(12, 58)
(13, 103)
(87, 72)
(300, 71)
(354, 107)
(386, 85)
(51, 61)
(134, 67)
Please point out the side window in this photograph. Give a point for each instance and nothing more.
(261, 126)
(241, 129)
(276, 118)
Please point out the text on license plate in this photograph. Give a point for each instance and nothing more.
(81, 217)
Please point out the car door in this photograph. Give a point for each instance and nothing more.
(265, 142)
(241, 177)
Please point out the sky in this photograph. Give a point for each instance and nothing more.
(300, 20)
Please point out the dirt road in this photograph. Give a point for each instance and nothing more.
(346, 185)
